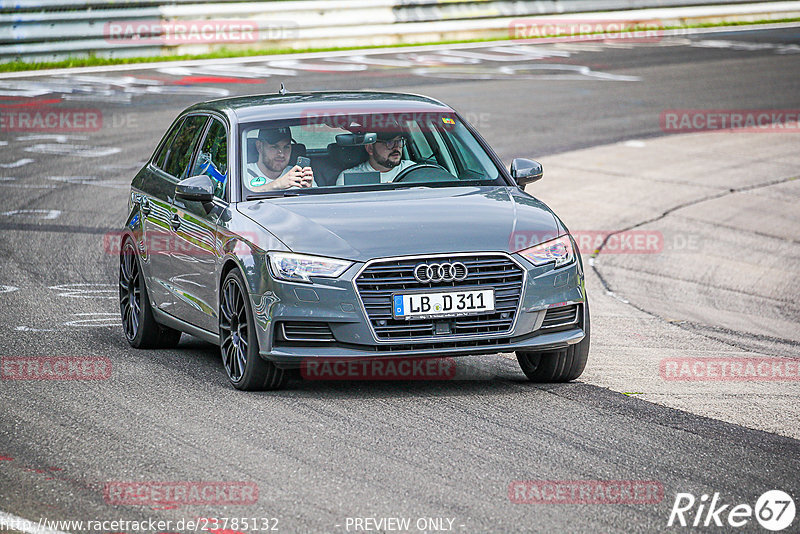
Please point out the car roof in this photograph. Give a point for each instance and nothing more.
(293, 105)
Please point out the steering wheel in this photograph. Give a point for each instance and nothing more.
(403, 175)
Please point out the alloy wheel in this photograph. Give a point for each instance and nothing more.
(233, 329)
(129, 291)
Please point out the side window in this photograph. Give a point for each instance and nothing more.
(441, 148)
(161, 157)
(471, 156)
(468, 159)
(424, 150)
(212, 160)
(180, 153)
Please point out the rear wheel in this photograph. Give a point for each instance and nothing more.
(246, 369)
(141, 329)
(560, 365)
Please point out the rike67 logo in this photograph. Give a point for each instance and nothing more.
(774, 511)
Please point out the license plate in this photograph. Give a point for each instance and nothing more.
(444, 304)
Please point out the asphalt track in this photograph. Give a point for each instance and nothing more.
(322, 452)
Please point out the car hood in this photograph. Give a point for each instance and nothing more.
(364, 225)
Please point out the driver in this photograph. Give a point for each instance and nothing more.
(273, 170)
(385, 156)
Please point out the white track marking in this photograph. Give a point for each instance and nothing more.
(57, 138)
(526, 71)
(83, 320)
(555, 71)
(19, 163)
(508, 53)
(30, 329)
(73, 86)
(90, 180)
(122, 81)
(86, 291)
(316, 67)
(59, 149)
(236, 71)
(95, 320)
(47, 215)
(378, 61)
(779, 48)
(8, 183)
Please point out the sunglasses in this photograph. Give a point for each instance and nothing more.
(397, 142)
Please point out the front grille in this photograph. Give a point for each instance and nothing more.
(305, 331)
(561, 316)
(380, 279)
(442, 345)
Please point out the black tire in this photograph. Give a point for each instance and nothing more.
(238, 341)
(140, 327)
(561, 365)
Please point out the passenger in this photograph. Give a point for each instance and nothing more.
(273, 170)
(385, 156)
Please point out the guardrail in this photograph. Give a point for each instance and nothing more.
(50, 30)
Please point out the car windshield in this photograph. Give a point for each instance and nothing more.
(330, 153)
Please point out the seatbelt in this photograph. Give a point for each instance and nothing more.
(208, 168)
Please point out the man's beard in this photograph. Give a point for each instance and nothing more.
(386, 162)
(273, 166)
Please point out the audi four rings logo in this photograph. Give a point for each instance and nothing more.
(441, 272)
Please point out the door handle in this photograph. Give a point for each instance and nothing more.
(175, 222)
(144, 205)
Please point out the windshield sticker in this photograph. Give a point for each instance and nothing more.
(255, 182)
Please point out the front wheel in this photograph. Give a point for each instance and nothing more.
(560, 365)
(246, 369)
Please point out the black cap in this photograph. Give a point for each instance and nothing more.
(273, 135)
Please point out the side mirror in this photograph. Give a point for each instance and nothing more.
(525, 171)
(196, 189)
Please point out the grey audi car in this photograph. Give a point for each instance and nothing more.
(310, 227)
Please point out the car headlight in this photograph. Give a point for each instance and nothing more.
(299, 267)
(557, 250)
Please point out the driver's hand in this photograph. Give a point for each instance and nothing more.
(294, 178)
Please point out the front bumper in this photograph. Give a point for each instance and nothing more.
(292, 357)
(336, 303)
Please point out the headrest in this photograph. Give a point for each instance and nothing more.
(347, 156)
